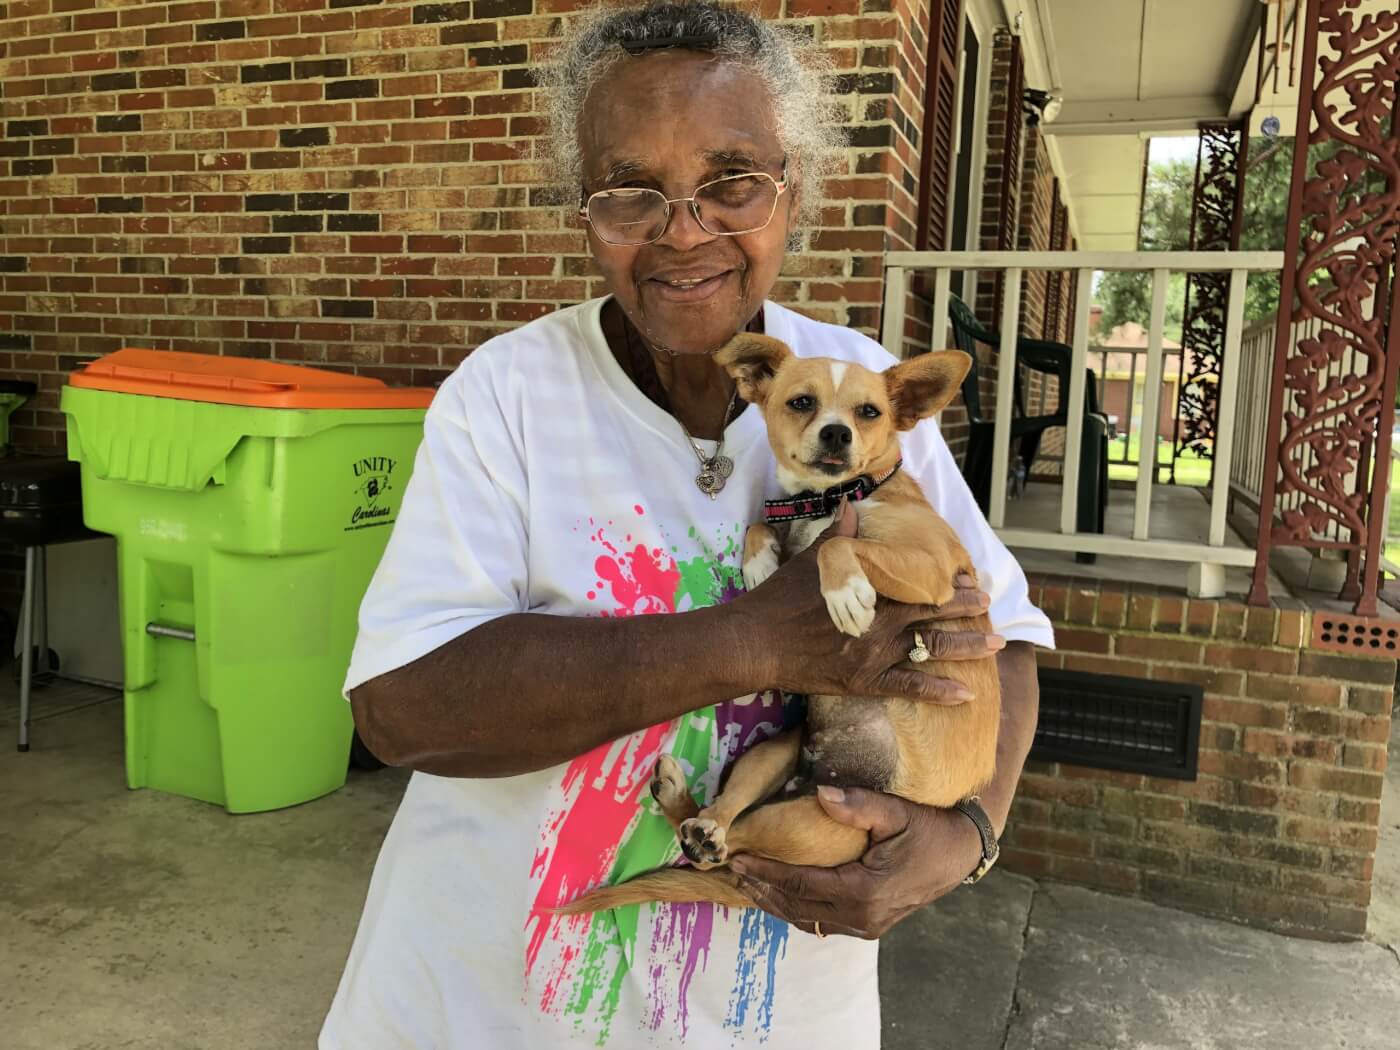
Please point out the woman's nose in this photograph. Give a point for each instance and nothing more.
(684, 230)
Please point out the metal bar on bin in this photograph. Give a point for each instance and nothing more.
(160, 630)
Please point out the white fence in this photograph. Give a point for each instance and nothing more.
(1208, 560)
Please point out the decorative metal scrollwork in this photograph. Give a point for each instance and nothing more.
(1215, 227)
(1327, 472)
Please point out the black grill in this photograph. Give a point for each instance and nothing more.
(1128, 724)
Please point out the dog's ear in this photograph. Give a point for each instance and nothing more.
(920, 387)
(753, 360)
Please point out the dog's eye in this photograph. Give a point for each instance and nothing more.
(868, 412)
(802, 403)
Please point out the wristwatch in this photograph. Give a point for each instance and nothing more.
(972, 809)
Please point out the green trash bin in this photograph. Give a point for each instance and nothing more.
(250, 502)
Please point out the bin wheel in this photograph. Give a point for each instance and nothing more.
(362, 757)
(44, 670)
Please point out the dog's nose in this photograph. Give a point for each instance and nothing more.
(835, 435)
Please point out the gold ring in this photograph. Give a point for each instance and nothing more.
(817, 929)
(920, 652)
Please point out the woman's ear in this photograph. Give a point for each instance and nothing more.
(923, 385)
(752, 361)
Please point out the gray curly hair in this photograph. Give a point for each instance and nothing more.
(796, 71)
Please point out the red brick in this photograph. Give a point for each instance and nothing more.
(1370, 701)
(1170, 615)
(1068, 638)
(1221, 683)
(1293, 626)
(1261, 627)
(1252, 658)
(1362, 783)
(1368, 757)
(1303, 692)
(1112, 610)
(1245, 712)
(1140, 612)
(1348, 668)
(1200, 618)
(1156, 647)
(1240, 767)
(1080, 608)
(1285, 745)
(1053, 602)
(1330, 833)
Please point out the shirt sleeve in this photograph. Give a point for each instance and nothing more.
(458, 553)
(927, 458)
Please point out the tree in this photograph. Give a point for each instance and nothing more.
(1166, 226)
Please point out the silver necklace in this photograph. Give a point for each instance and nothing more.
(713, 469)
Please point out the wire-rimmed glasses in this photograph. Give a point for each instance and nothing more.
(726, 207)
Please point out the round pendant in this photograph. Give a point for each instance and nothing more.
(721, 465)
(709, 482)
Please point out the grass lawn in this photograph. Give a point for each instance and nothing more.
(1392, 539)
(1190, 469)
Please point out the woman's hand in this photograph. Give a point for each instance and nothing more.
(917, 854)
(801, 651)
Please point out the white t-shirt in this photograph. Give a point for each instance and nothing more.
(546, 482)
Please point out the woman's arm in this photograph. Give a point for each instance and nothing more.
(525, 692)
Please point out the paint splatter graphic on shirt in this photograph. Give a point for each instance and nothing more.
(605, 828)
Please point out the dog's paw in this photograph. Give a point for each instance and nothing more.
(702, 841)
(761, 566)
(852, 605)
(668, 785)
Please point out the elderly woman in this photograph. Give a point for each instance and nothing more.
(593, 466)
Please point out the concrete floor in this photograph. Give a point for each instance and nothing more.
(141, 920)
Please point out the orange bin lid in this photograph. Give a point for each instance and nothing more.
(240, 381)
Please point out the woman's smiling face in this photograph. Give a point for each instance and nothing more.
(672, 121)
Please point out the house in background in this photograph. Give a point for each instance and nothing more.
(354, 185)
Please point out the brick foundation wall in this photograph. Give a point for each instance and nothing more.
(351, 183)
(1279, 829)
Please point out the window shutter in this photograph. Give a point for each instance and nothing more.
(940, 123)
(1010, 164)
(1055, 286)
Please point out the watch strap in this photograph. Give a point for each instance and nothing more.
(991, 849)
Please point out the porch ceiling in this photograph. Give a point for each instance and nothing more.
(1127, 70)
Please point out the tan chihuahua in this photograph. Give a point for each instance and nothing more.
(834, 428)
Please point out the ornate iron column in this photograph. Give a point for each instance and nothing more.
(1332, 405)
(1216, 212)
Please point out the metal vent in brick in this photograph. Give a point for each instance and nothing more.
(1342, 633)
(1109, 722)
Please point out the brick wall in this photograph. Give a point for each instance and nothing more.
(350, 183)
(1033, 232)
(1280, 827)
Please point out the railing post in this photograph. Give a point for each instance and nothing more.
(1006, 383)
(892, 316)
(1151, 407)
(942, 288)
(1226, 405)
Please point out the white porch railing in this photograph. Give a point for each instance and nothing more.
(1207, 560)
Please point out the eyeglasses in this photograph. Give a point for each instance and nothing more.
(724, 208)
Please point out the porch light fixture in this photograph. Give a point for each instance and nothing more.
(1040, 106)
